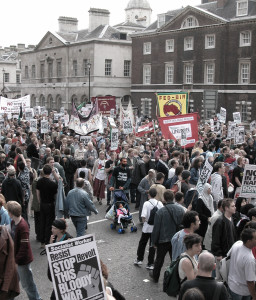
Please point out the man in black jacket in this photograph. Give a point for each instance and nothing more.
(204, 280)
(166, 223)
(223, 232)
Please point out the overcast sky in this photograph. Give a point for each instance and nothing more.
(27, 21)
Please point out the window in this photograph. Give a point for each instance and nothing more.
(160, 20)
(147, 48)
(74, 67)
(188, 73)
(26, 72)
(33, 71)
(85, 67)
(127, 68)
(6, 77)
(59, 69)
(209, 72)
(190, 21)
(108, 67)
(245, 38)
(188, 43)
(50, 70)
(244, 72)
(242, 8)
(42, 70)
(17, 78)
(146, 107)
(169, 45)
(146, 74)
(244, 112)
(169, 71)
(210, 41)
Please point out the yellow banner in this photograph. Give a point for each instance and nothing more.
(172, 104)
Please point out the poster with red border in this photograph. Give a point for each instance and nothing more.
(105, 104)
(171, 127)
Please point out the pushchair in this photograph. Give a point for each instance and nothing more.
(126, 219)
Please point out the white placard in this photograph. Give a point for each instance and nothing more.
(75, 269)
(239, 135)
(223, 115)
(29, 113)
(204, 177)
(44, 126)
(33, 125)
(127, 125)
(176, 130)
(248, 189)
(114, 139)
(237, 117)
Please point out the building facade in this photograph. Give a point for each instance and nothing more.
(77, 64)
(208, 51)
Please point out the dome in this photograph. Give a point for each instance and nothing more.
(138, 4)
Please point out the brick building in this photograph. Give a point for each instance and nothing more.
(208, 50)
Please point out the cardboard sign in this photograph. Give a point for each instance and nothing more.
(237, 117)
(44, 126)
(114, 139)
(171, 127)
(252, 125)
(75, 269)
(85, 139)
(127, 126)
(183, 138)
(248, 188)
(29, 113)
(231, 130)
(204, 177)
(33, 125)
(223, 115)
(239, 135)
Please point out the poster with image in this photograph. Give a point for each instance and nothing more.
(75, 269)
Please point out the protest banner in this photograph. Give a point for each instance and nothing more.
(252, 125)
(13, 105)
(105, 104)
(239, 135)
(172, 104)
(114, 139)
(223, 115)
(44, 126)
(85, 139)
(33, 125)
(171, 127)
(111, 122)
(29, 113)
(237, 117)
(204, 177)
(127, 126)
(231, 130)
(75, 269)
(147, 128)
(248, 188)
(183, 140)
(37, 110)
(93, 124)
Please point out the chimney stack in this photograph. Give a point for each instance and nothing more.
(67, 24)
(98, 17)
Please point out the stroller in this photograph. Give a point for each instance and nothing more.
(126, 219)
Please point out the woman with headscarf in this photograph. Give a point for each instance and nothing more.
(144, 187)
(205, 208)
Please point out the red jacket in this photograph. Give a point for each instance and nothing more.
(22, 248)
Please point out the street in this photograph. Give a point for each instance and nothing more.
(117, 251)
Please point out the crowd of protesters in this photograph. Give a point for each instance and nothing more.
(152, 171)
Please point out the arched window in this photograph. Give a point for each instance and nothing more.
(49, 102)
(42, 100)
(33, 100)
(190, 21)
(58, 102)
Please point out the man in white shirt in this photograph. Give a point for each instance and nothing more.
(147, 230)
(174, 164)
(242, 276)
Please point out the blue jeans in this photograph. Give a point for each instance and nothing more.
(235, 296)
(27, 282)
(80, 224)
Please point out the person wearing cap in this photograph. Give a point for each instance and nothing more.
(11, 187)
(59, 234)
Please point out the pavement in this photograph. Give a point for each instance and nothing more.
(117, 251)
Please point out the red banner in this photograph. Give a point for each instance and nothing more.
(147, 128)
(173, 128)
(105, 104)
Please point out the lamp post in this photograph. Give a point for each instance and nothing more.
(3, 81)
(89, 70)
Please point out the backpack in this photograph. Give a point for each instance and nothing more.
(153, 211)
(172, 282)
(176, 187)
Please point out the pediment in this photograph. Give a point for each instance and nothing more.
(203, 17)
(50, 40)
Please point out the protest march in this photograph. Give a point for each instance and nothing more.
(185, 186)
